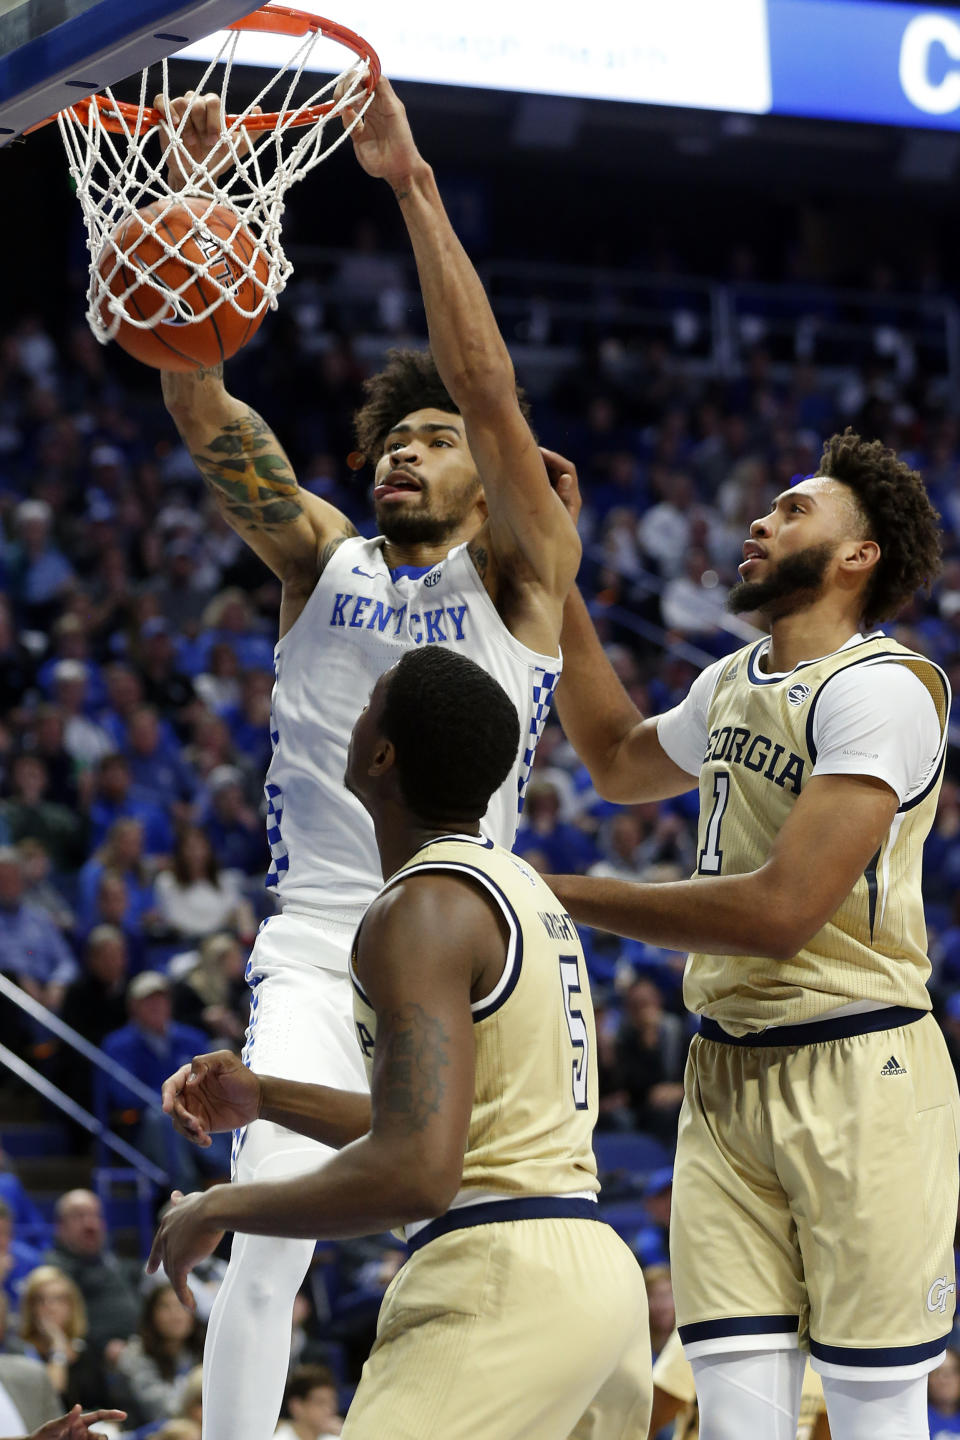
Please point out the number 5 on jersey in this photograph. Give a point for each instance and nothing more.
(579, 1035)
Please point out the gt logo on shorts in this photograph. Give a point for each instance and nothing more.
(939, 1293)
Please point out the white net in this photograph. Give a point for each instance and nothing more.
(123, 158)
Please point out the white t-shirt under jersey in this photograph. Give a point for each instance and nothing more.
(357, 622)
(877, 720)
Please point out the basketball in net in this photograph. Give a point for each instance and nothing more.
(193, 277)
(186, 252)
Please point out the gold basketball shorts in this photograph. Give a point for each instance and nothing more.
(815, 1193)
(500, 1329)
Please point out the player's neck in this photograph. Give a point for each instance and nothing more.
(427, 554)
(400, 835)
(807, 635)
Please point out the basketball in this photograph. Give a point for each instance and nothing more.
(212, 248)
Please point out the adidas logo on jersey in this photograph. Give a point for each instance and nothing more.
(893, 1067)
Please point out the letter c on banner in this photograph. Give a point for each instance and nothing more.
(919, 38)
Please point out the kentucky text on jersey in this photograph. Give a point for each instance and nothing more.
(736, 745)
(359, 612)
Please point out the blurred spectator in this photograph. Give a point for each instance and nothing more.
(26, 1214)
(219, 684)
(32, 950)
(124, 697)
(694, 602)
(84, 740)
(28, 813)
(155, 1364)
(238, 835)
(17, 1258)
(195, 897)
(943, 1397)
(151, 1046)
(249, 719)
(213, 992)
(159, 775)
(122, 854)
(113, 800)
(54, 1330)
(310, 1405)
(651, 1054)
(24, 1386)
(47, 743)
(39, 574)
(39, 889)
(17, 664)
(651, 1243)
(164, 686)
(663, 1317)
(108, 1285)
(229, 619)
(566, 847)
(95, 1004)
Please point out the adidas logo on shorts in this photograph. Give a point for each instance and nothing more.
(893, 1067)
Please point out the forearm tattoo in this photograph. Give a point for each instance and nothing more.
(249, 475)
(413, 1052)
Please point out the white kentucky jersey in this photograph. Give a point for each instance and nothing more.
(358, 621)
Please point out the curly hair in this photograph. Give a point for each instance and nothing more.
(455, 730)
(410, 381)
(898, 514)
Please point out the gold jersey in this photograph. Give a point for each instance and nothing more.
(535, 1094)
(760, 754)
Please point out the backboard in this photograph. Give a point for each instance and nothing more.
(54, 52)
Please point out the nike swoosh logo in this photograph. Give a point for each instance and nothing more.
(365, 573)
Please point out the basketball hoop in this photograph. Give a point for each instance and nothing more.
(121, 162)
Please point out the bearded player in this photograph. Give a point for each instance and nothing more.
(815, 1191)
(476, 552)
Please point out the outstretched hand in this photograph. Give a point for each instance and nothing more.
(382, 139)
(76, 1425)
(210, 1094)
(184, 1237)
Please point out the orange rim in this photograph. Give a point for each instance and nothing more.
(121, 116)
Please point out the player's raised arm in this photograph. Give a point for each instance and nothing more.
(241, 460)
(527, 520)
(247, 471)
(620, 748)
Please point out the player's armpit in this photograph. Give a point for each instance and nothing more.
(250, 477)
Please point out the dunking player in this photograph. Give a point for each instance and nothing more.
(476, 553)
(518, 1313)
(815, 1193)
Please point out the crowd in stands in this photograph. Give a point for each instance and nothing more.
(136, 665)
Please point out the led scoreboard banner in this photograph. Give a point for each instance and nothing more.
(859, 60)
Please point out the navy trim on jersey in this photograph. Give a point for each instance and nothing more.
(513, 963)
(883, 1357)
(740, 1325)
(840, 1027)
(757, 677)
(412, 572)
(870, 875)
(496, 1212)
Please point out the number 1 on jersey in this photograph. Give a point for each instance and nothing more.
(579, 1035)
(711, 856)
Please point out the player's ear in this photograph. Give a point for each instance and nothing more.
(861, 555)
(384, 757)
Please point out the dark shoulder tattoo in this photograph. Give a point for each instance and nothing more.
(479, 557)
(250, 476)
(412, 1054)
(327, 553)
